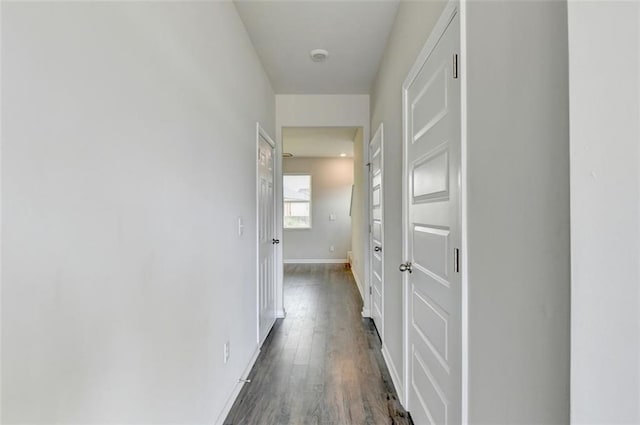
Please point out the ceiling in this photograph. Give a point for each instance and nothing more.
(354, 32)
(318, 141)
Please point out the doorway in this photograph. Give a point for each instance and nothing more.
(319, 199)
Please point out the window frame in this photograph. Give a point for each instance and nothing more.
(310, 202)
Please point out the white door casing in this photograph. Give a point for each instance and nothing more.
(266, 233)
(432, 228)
(376, 229)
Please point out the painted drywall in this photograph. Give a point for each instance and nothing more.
(129, 146)
(325, 111)
(315, 142)
(413, 24)
(604, 55)
(518, 265)
(359, 214)
(331, 182)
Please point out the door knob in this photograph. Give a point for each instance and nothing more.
(275, 241)
(406, 267)
(377, 248)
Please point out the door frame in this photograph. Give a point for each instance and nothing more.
(337, 121)
(369, 248)
(452, 8)
(262, 133)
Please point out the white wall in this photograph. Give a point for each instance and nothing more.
(359, 214)
(413, 24)
(604, 53)
(326, 111)
(128, 154)
(517, 184)
(331, 181)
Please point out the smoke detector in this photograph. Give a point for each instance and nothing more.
(319, 55)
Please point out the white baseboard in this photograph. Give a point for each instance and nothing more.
(316, 261)
(365, 311)
(281, 314)
(358, 283)
(236, 389)
(395, 377)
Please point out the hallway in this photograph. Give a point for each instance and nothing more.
(182, 183)
(322, 364)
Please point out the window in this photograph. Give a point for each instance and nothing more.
(297, 201)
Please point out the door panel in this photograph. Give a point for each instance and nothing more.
(376, 295)
(376, 230)
(430, 176)
(376, 266)
(376, 223)
(375, 197)
(427, 393)
(430, 249)
(266, 234)
(432, 233)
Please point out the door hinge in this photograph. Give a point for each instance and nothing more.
(369, 228)
(455, 66)
(368, 164)
(456, 260)
(370, 291)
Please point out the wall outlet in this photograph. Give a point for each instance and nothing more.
(240, 226)
(331, 248)
(226, 352)
(332, 217)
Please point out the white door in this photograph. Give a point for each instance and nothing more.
(267, 238)
(376, 235)
(432, 231)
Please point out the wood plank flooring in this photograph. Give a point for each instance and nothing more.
(322, 364)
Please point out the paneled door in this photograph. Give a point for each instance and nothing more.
(432, 229)
(376, 226)
(267, 238)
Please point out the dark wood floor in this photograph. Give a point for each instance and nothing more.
(322, 364)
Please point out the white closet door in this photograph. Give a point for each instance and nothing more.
(376, 234)
(267, 238)
(433, 231)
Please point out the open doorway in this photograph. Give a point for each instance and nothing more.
(322, 207)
